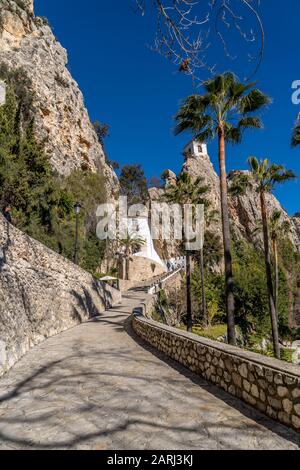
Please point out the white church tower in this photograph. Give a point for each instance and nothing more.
(195, 149)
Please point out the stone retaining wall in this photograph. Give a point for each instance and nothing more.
(271, 386)
(41, 294)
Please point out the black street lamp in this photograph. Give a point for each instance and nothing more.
(77, 209)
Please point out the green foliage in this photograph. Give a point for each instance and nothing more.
(214, 332)
(214, 292)
(20, 85)
(133, 184)
(226, 102)
(163, 298)
(250, 289)
(287, 355)
(252, 313)
(290, 260)
(156, 316)
(251, 292)
(296, 134)
(188, 191)
(43, 202)
(266, 175)
(212, 249)
(102, 131)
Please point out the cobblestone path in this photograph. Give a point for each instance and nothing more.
(97, 386)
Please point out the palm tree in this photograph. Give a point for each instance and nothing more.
(188, 192)
(131, 244)
(210, 239)
(278, 229)
(265, 176)
(296, 134)
(224, 111)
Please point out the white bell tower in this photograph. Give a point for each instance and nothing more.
(195, 149)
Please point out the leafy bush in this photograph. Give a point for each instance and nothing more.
(287, 355)
(43, 202)
(214, 332)
(215, 298)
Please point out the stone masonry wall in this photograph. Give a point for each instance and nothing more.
(41, 294)
(271, 386)
(142, 269)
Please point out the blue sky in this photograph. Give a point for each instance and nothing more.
(137, 92)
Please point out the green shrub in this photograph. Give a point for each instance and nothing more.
(43, 202)
(287, 355)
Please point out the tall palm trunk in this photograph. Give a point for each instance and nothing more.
(275, 249)
(189, 311)
(230, 307)
(204, 308)
(127, 263)
(269, 275)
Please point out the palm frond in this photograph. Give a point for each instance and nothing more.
(192, 117)
(283, 176)
(254, 101)
(267, 174)
(250, 122)
(275, 217)
(233, 135)
(254, 164)
(206, 135)
(238, 89)
(225, 100)
(239, 184)
(296, 135)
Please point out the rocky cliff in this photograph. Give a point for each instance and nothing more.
(244, 210)
(244, 213)
(62, 122)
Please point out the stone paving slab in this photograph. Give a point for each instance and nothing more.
(99, 387)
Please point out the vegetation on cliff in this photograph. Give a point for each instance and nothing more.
(42, 201)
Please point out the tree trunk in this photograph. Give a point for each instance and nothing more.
(230, 307)
(204, 308)
(275, 250)
(189, 311)
(127, 265)
(269, 276)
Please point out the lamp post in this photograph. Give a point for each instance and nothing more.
(77, 209)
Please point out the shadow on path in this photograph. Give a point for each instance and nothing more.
(99, 386)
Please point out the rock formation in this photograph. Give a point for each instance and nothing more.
(244, 213)
(62, 122)
(170, 178)
(244, 210)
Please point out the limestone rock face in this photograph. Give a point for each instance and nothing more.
(296, 225)
(244, 210)
(170, 178)
(29, 4)
(245, 214)
(202, 167)
(62, 122)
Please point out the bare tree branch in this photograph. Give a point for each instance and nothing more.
(186, 29)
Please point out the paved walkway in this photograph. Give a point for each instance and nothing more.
(98, 387)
